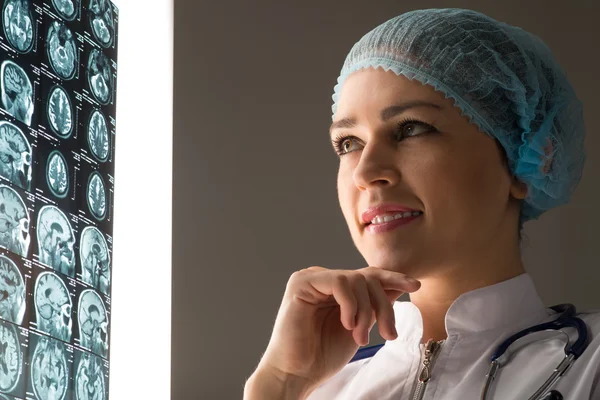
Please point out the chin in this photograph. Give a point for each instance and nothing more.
(398, 261)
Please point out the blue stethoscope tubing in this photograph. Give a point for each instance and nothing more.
(566, 319)
(573, 350)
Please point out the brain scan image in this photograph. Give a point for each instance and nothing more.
(49, 370)
(14, 222)
(102, 22)
(15, 155)
(100, 77)
(93, 323)
(89, 378)
(17, 92)
(11, 357)
(98, 138)
(60, 45)
(53, 306)
(18, 24)
(60, 112)
(57, 174)
(12, 291)
(95, 259)
(67, 9)
(96, 196)
(56, 240)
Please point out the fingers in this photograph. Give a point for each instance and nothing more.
(364, 296)
(391, 280)
(363, 300)
(383, 288)
(384, 311)
(364, 310)
(344, 296)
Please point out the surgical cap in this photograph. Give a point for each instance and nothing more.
(504, 79)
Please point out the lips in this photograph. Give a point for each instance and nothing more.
(374, 211)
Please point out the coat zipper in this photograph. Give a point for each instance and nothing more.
(429, 356)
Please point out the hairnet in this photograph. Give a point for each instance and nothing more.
(504, 79)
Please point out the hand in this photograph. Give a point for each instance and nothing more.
(326, 315)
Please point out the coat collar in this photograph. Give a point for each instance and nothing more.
(491, 307)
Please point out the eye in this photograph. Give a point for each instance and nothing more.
(343, 144)
(408, 126)
(346, 142)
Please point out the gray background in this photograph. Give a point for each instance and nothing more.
(254, 174)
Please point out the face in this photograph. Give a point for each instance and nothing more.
(427, 158)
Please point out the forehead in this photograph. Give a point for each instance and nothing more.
(372, 89)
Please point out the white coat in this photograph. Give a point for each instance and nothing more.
(476, 323)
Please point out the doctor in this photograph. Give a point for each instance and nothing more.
(452, 130)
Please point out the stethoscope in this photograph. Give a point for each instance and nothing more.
(566, 319)
(502, 354)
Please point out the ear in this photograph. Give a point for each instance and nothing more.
(518, 189)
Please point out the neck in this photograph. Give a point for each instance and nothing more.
(441, 287)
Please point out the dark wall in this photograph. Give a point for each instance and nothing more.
(254, 174)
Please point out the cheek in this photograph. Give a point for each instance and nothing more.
(344, 189)
(461, 186)
(348, 195)
(488, 184)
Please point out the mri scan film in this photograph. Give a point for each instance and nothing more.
(67, 9)
(57, 174)
(14, 222)
(11, 357)
(96, 196)
(12, 291)
(62, 52)
(100, 76)
(53, 306)
(93, 323)
(58, 127)
(90, 383)
(15, 155)
(95, 259)
(17, 92)
(60, 112)
(102, 22)
(49, 369)
(18, 24)
(56, 240)
(98, 137)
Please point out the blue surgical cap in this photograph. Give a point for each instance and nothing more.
(504, 79)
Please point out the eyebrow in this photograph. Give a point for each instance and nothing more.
(386, 113)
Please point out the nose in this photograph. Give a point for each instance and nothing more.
(377, 166)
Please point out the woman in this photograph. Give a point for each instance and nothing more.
(453, 130)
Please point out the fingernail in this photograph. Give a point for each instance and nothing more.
(412, 280)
